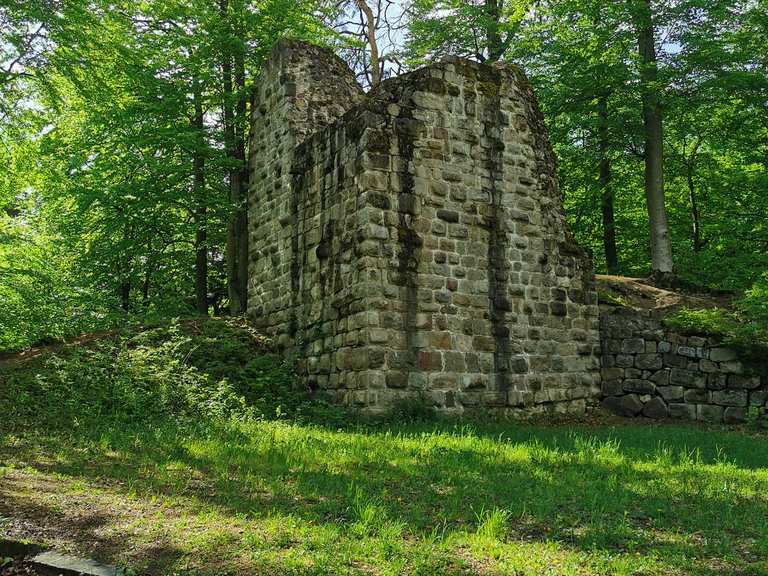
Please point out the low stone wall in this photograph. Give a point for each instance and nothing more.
(654, 372)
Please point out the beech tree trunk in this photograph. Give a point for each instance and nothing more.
(235, 150)
(201, 211)
(662, 267)
(698, 243)
(606, 189)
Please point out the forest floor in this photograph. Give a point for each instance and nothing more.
(99, 458)
(641, 293)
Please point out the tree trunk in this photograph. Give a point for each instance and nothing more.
(493, 37)
(201, 210)
(125, 294)
(661, 246)
(235, 279)
(609, 222)
(698, 244)
(370, 34)
(241, 123)
(146, 285)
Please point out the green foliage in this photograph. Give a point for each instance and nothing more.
(702, 322)
(746, 326)
(180, 371)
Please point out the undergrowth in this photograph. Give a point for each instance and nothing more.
(185, 371)
(745, 327)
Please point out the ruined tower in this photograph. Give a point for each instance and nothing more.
(411, 242)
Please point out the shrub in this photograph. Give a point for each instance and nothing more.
(183, 370)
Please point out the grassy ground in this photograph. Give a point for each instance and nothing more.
(235, 494)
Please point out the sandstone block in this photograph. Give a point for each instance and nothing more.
(648, 361)
(629, 405)
(655, 408)
(709, 413)
(722, 354)
(639, 386)
(671, 393)
(746, 382)
(682, 411)
(730, 397)
(734, 415)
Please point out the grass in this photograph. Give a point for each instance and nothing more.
(238, 493)
(276, 497)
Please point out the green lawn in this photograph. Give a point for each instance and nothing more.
(280, 498)
(157, 449)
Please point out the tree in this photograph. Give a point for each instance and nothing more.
(662, 267)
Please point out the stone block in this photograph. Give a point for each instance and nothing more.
(734, 415)
(709, 413)
(639, 386)
(691, 352)
(707, 366)
(655, 408)
(745, 382)
(430, 361)
(664, 347)
(661, 377)
(633, 346)
(730, 397)
(722, 354)
(648, 361)
(733, 367)
(758, 397)
(682, 377)
(628, 406)
(674, 361)
(717, 381)
(625, 360)
(612, 373)
(612, 387)
(671, 393)
(682, 411)
(696, 396)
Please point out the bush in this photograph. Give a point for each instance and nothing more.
(185, 371)
(745, 327)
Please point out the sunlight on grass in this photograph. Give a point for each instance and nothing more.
(435, 499)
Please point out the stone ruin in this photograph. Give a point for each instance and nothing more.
(411, 242)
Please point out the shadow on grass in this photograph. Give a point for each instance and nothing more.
(686, 495)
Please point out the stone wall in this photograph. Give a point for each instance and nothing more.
(411, 243)
(657, 373)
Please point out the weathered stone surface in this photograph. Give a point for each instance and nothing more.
(685, 377)
(733, 367)
(633, 346)
(746, 382)
(413, 239)
(648, 361)
(55, 563)
(709, 413)
(696, 396)
(722, 354)
(655, 408)
(730, 397)
(758, 397)
(734, 415)
(612, 387)
(671, 393)
(682, 411)
(629, 405)
(639, 386)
